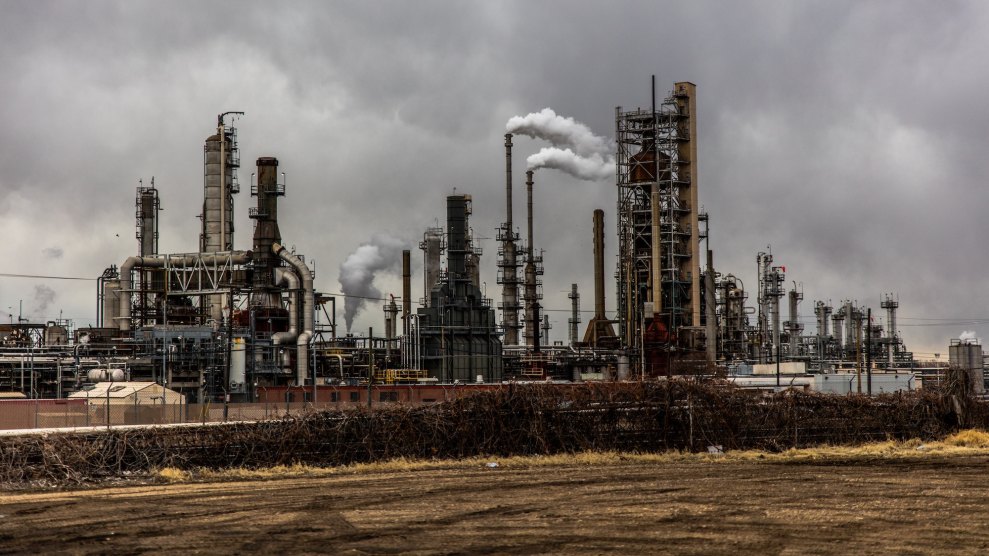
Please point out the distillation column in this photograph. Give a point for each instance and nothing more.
(793, 326)
(533, 269)
(432, 246)
(891, 305)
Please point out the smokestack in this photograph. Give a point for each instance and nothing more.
(599, 330)
(508, 182)
(266, 232)
(531, 319)
(147, 220)
(509, 259)
(528, 192)
(406, 289)
(575, 313)
(599, 309)
(712, 314)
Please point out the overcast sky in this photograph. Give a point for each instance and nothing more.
(851, 137)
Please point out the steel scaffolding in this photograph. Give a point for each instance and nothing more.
(657, 197)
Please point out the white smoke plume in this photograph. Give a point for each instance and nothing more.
(43, 297)
(382, 253)
(576, 149)
(590, 168)
(969, 337)
(561, 132)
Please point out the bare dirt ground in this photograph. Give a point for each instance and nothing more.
(930, 506)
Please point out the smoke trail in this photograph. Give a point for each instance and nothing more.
(382, 253)
(43, 297)
(969, 337)
(561, 132)
(590, 168)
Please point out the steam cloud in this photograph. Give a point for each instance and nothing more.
(53, 252)
(382, 253)
(589, 168)
(560, 131)
(969, 337)
(43, 297)
(576, 149)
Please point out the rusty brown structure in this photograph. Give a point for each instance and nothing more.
(659, 274)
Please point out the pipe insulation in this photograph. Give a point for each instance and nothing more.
(159, 261)
(307, 308)
(288, 278)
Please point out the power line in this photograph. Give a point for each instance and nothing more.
(8, 275)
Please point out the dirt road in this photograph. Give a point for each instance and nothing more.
(937, 507)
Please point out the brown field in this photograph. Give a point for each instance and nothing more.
(881, 500)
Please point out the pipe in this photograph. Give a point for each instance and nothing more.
(308, 303)
(339, 360)
(287, 277)
(158, 261)
(657, 269)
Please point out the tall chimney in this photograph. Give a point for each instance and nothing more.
(531, 319)
(509, 259)
(528, 192)
(599, 309)
(599, 331)
(406, 290)
(508, 181)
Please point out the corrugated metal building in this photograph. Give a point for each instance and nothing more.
(129, 393)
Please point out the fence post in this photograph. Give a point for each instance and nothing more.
(690, 418)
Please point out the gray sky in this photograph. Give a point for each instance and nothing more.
(849, 136)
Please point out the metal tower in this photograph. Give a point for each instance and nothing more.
(508, 262)
(658, 234)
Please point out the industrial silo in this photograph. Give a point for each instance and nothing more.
(966, 354)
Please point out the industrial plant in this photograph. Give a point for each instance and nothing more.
(219, 324)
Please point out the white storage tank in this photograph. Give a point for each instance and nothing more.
(238, 366)
(106, 375)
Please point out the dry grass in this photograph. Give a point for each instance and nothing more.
(964, 443)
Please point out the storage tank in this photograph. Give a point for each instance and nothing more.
(238, 366)
(106, 375)
(967, 355)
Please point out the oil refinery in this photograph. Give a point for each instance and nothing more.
(215, 323)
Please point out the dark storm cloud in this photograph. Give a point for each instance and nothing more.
(847, 135)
